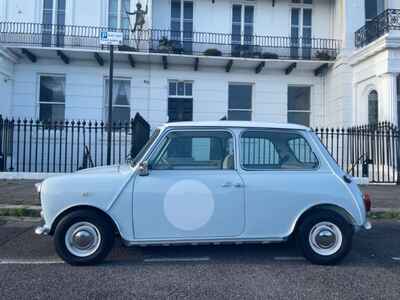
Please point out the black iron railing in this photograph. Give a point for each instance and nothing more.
(174, 42)
(377, 27)
(34, 146)
(61, 147)
(366, 151)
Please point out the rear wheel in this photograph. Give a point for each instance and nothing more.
(83, 238)
(325, 237)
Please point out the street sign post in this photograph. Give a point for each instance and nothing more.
(110, 39)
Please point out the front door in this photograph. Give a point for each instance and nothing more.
(192, 191)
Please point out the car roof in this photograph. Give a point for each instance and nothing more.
(236, 124)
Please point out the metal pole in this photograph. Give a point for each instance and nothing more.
(110, 95)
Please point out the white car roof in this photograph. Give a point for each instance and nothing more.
(232, 124)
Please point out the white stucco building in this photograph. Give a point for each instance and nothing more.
(315, 62)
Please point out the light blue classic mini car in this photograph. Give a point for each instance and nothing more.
(209, 182)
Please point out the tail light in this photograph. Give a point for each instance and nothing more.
(367, 202)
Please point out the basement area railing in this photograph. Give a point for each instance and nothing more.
(61, 147)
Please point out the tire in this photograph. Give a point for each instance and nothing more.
(325, 237)
(90, 235)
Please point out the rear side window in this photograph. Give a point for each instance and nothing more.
(276, 150)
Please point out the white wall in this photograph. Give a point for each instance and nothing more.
(149, 90)
(269, 20)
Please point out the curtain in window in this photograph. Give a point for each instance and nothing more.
(121, 101)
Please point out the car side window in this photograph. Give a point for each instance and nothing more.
(195, 150)
(276, 150)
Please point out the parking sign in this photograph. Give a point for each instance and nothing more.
(111, 38)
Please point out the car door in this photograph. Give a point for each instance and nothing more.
(282, 177)
(193, 190)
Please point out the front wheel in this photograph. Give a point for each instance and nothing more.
(83, 238)
(325, 237)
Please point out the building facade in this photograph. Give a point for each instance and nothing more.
(314, 62)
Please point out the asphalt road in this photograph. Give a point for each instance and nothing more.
(29, 269)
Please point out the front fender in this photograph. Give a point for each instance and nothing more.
(108, 192)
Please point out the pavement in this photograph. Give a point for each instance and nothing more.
(22, 192)
(30, 268)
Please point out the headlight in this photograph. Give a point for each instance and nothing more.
(38, 187)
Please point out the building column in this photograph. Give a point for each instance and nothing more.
(388, 98)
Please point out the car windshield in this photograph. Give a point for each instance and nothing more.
(141, 153)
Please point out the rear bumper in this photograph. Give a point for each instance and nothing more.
(366, 226)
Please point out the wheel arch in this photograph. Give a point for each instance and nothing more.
(324, 207)
(84, 207)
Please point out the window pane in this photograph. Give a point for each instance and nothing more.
(301, 118)
(236, 13)
(371, 9)
(307, 19)
(302, 151)
(48, 4)
(239, 115)
(121, 114)
(180, 109)
(249, 14)
(51, 112)
(373, 111)
(308, 1)
(299, 98)
(61, 5)
(276, 150)
(240, 96)
(197, 150)
(181, 88)
(295, 16)
(52, 89)
(48, 18)
(176, 9)
(257, 151)
(188, 10)
(113, 7)
(172, 88)
(188, 89)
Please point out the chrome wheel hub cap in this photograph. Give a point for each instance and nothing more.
(82, 239)
(325, 238)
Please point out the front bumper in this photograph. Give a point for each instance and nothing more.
(42, 230)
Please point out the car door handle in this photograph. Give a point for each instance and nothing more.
(238, 185)
(226, 184)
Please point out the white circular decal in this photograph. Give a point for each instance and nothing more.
(188, 205)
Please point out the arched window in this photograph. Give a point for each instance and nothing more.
(373, 107)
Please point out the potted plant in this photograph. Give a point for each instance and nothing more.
(164, 45)
(323, 55)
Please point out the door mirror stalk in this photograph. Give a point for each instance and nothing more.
(144, 168)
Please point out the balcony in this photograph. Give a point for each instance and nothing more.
(167, 42)
(384, 23)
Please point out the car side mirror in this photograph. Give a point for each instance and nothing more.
(144, 168)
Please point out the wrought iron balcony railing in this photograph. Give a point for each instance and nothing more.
(31, 35)
(377, 27)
